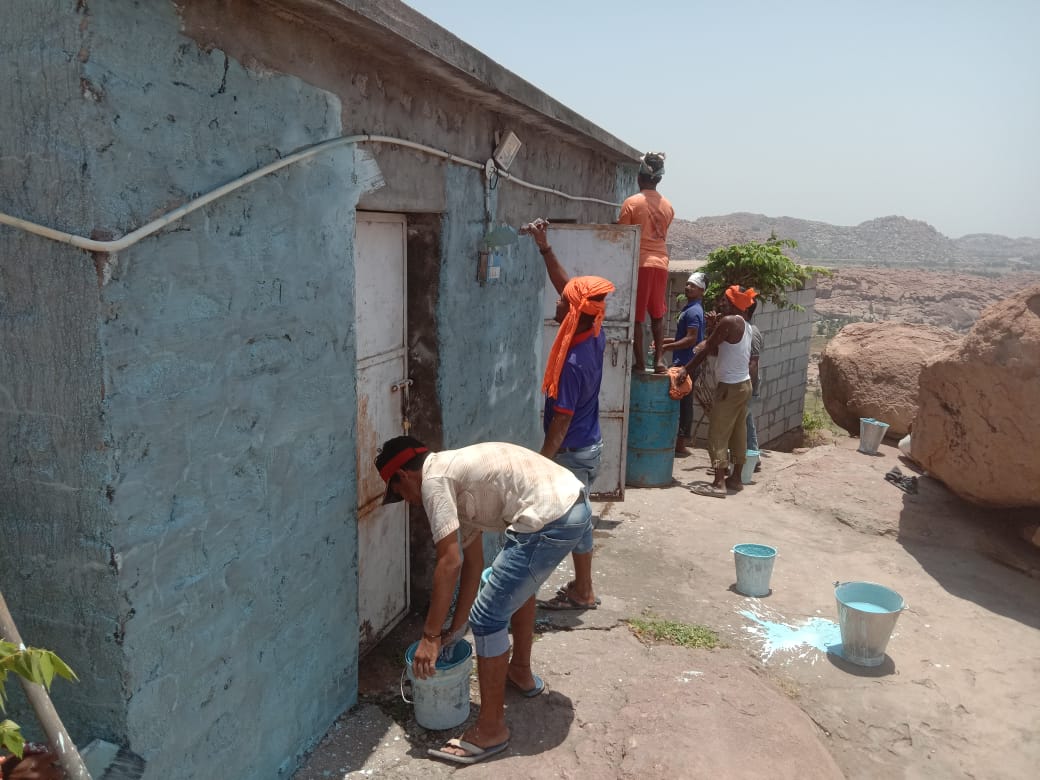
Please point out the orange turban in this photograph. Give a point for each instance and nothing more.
(577, 293)
(742, 300)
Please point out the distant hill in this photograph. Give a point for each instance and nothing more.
(887, 241)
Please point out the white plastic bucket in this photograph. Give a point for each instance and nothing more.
(754, 564)
(441, 701)
(867, 613)
(747, 473)
(871, 432)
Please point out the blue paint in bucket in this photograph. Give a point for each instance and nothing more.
(867, 614)
(441, 701)
(866, 606)
(754, 564)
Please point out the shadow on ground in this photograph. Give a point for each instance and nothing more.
(973, 553)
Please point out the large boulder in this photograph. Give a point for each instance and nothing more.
(978, 420)
(870, 369)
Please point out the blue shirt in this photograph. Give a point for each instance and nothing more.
(578, 393)
(690, 319)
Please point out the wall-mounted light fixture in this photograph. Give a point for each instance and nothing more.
(506, 150)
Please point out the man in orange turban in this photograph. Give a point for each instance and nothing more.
(571, 385)
(727, 427)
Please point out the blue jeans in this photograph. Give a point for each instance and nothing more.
(518, 572)
(752, 432)
(584, 464)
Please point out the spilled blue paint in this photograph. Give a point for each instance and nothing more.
(798, 640)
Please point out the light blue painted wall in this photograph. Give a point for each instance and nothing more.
(180, 440)
(490, 351)
(487, 364)
(213, 523)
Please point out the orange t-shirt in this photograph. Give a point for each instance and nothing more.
(653, 213)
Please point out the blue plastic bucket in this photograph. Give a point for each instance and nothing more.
(747, 473)
(871, 432)
(441, 701)
(754, 568)
(653, 422)
(867, 613)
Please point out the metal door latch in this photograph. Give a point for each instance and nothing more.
(614, 343)
(400, 385)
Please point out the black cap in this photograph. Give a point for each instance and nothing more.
(395, 454)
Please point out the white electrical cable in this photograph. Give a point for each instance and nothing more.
(522, 183)
(116, 245)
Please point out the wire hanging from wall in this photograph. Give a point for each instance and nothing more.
(133, 237)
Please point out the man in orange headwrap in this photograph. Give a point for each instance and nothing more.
(727, 430)
(571, 385)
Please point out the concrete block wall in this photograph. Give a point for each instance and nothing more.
(783, 364)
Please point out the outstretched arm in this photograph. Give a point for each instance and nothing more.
(689, 340)
(539, 231)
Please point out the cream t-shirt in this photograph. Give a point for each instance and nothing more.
(493, 487)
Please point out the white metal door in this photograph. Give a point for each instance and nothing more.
(382, 371)
(610, 251)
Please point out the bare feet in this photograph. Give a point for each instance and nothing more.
(734, 484)
(660, 368)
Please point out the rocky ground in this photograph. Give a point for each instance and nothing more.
(955, 697)
(943, 299)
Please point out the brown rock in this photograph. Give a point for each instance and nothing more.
(978, 424)
(870, 369)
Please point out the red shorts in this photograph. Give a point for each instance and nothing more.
(651, 289)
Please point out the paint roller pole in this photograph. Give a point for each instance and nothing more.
(58, 737)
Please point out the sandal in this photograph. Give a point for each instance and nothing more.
(563, 601)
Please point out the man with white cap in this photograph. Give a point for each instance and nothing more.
(689, 332)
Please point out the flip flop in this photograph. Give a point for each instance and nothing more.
(709, 490)
(566, 593)
(530, 693)
(562, 601)
(476, 753)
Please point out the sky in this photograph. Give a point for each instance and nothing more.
(831, 110)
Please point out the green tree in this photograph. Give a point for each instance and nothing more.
(763, 266)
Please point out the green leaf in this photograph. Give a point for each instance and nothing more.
(46, 668)
(11, 737)
(62, 669)
(34, 666)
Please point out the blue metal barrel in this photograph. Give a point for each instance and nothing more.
(653, 421)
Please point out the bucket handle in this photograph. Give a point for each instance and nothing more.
(404, 673)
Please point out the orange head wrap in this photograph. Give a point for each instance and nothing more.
(577, 293)
(742, 300)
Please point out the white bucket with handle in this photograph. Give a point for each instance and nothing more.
(441, 701)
